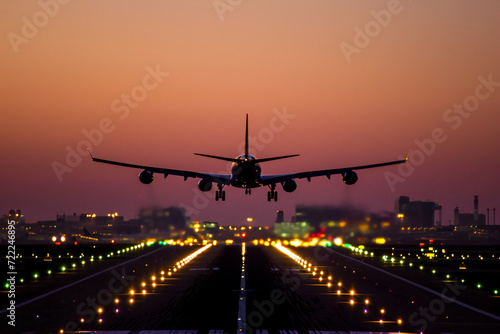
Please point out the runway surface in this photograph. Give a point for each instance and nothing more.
(252, 289)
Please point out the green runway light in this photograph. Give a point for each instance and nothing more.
(479, 286)
(63, 268)
(495, 292)
(7, 285)
(35, 276)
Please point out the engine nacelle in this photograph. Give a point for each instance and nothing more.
(146, 177)
(289, 186)
(350, 177)
(204, 185)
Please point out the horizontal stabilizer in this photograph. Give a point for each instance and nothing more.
(217, 157)
(275, 158)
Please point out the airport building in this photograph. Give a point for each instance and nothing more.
(469, 219)
(172, 220)
(416, 214)
(292, 230)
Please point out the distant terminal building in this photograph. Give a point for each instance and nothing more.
(321, 218)
(16, 216)
(469, 219)
(415, 214)
(293, 230)
(171, 219)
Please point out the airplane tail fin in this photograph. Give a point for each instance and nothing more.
(246, 152)
(246, 139)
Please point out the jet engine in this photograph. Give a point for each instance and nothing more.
(146, 177)
(350, 177)
(205, 185)
(289, 186)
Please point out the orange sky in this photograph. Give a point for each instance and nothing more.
(64, 76)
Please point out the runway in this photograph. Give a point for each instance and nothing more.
(253, 289)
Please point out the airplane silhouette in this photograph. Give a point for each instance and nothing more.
(246, 173)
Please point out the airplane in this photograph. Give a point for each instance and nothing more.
(246, 173)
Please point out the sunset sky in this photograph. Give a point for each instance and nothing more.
(361, 82)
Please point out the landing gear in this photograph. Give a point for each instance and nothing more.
(272, 194)
(248, 191)
(220, 193)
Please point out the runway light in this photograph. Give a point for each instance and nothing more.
(382, 311)
(132, 292)
(351, 301)
(400, 321)
(117, 301)
(367, 301)
(82, 320)
(131, 300)
(99, 310)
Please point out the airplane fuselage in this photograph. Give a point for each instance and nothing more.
(246, 173)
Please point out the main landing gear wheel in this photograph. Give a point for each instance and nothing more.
(272, 194)
(248, 191)
(220, 194)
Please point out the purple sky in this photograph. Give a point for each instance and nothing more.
(365, 82)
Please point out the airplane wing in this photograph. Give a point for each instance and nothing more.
(217, 178)
(273, 179)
